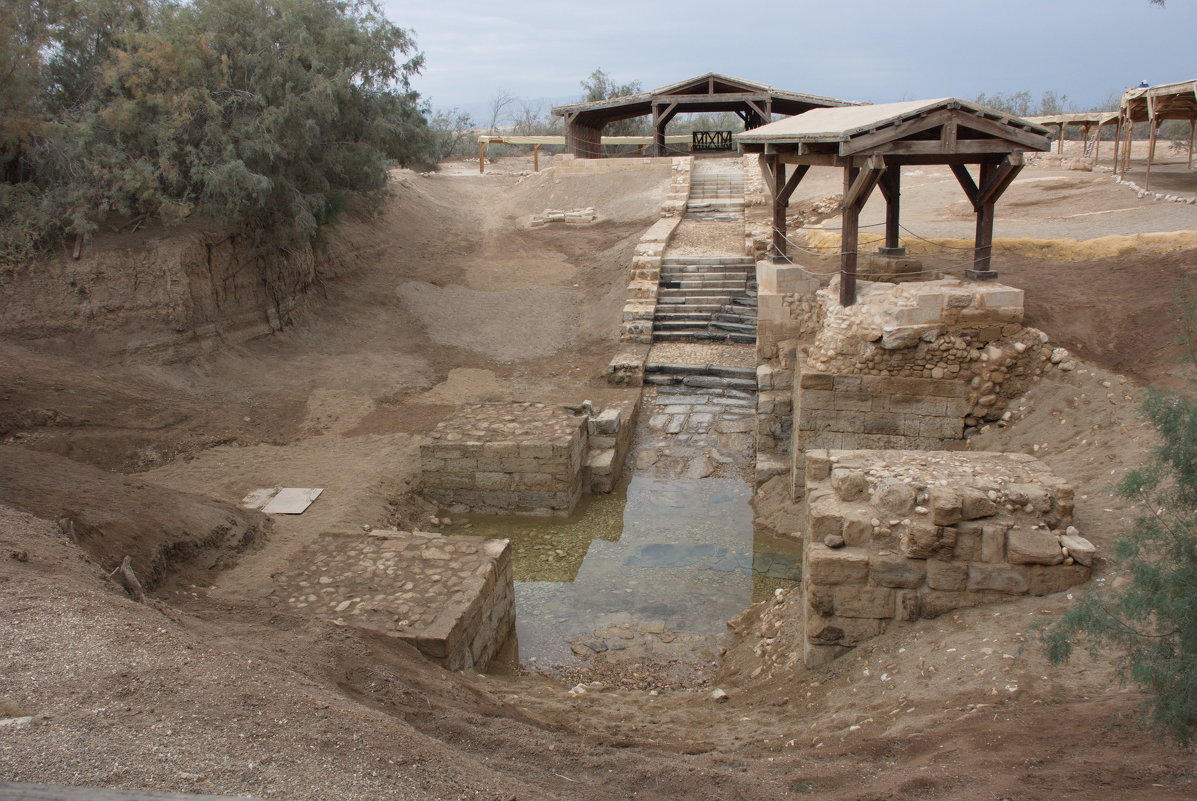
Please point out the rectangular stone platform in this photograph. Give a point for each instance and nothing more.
(506, 458)
(453, 598)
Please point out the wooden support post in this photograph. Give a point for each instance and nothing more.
(780, 254)
(858, 185)
(1192, 139)
(1097, 144)
(1117, 145)
(891, 189)
(781, 190)
(535, 158)
(849, 239)
(1060, 149)
(1126, 151)
(481, 157)
(983, 243)
(1150, 153)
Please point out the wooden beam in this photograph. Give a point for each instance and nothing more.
(891, 132)
(481, 158)
(966, 182)
(983, 241)
(935, 147)
(792, 183)
(707, 99)
(866, 180)
(535, 158)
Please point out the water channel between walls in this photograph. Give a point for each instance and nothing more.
(653, 571)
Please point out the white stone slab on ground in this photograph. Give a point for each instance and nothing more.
(282, 500)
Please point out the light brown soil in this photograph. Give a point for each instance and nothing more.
(451, 298)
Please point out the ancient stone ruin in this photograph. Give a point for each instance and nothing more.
(523, 457)
(899, 535)
(451, 597)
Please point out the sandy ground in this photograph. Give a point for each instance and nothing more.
(201, 689)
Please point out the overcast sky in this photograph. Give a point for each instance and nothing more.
(871, 50)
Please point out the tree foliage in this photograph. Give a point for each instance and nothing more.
(261, 116)
(1150, 622)
(600, 86)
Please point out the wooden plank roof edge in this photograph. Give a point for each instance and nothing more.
(887, 115)
(1079, 118)
(647, 139)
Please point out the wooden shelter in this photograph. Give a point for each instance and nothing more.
(1154, 104)
(873, 143)
(1090, 123)
(754, 103)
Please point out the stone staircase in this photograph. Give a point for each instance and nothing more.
(706, 299)
(716, 197)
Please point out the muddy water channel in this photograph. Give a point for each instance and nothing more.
(652, 572)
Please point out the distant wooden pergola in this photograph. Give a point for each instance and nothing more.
(754, 103)
(873, 143)
(1154, 104)
(1089, 123)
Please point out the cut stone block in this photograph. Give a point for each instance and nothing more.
(839, 566)
(1026, 546)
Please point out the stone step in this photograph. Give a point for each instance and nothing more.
(702, 336)
(737, 328)
(671, 261)
(668, 295)
(679, 325)
(718, 370)
(750, 303)
(705, 309)
(738, 319)
(693, 316)
(723, 285)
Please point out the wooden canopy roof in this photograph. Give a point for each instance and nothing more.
(1167, 101)
(940, 130)
(753, 102)
(872, 143)
(710, 92)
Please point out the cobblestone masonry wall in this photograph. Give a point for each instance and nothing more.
(913, 365)
(451, 597)
(899, 535)
(641, 305)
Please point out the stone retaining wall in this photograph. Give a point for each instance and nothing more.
(645, 281)
(569, 164)
(453, 598)
(899, 535)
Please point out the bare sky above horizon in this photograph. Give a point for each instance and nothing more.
(871, 50)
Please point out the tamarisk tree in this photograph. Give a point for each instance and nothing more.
(1150, 621)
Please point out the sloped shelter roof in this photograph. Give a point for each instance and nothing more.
(872, 143)
(710, 92)
(1167, 101)
(755, 103)
(934, 127)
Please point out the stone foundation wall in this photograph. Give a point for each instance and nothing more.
(505, 458)
(899, 535)
(609, 438)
